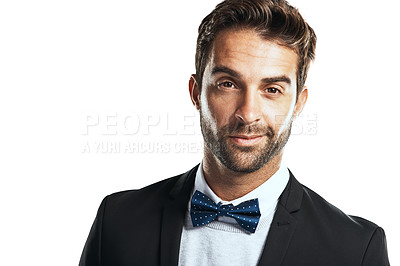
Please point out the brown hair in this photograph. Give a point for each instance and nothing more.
(272, 19)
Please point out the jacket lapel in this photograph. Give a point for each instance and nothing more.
(173, 218)
(283, 224)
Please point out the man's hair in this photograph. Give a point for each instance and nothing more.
(273, 20)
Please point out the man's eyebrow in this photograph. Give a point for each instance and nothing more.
(226, 70)
(283, 78)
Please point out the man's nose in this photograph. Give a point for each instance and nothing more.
(249, 107)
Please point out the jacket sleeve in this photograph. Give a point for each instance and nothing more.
(376, 253)
(91, 255)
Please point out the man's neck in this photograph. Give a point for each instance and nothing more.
(229, 185)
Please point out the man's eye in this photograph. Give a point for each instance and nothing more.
(226, 84)
(272, 90)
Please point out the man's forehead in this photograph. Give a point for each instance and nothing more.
(244, 51)
(247, 44)
(248, 39)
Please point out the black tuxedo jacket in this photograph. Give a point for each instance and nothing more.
(143, 227)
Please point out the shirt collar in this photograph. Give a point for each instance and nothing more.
(267, 193)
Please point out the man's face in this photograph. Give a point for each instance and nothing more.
(248, 99)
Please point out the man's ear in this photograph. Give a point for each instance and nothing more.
(301, 102)
(194, 91)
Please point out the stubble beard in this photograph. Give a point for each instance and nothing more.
(243, 159)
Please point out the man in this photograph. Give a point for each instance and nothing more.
(241, 205)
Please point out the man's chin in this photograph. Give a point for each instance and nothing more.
(242, 159)
(243, 167)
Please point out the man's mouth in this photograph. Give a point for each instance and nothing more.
(246, 140)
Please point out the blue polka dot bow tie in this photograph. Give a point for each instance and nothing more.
(203, 211)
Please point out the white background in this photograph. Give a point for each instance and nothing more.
(65, 64)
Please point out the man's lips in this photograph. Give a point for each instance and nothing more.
(246, 140)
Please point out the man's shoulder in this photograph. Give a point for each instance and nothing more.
(325, 235)
(151, 195)
(331, 217)
(157, 190)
